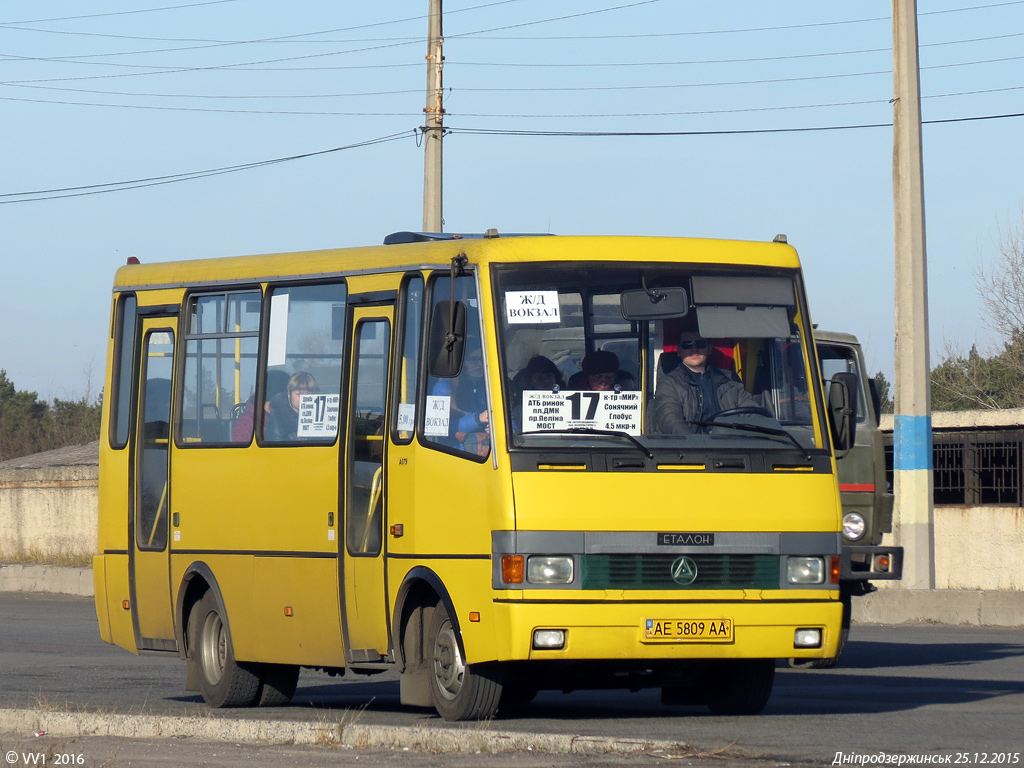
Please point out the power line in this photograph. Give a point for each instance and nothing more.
(329, 113)
(733, 132)
(117, 13)
(120, 186)
(702, 62)
(692, 33)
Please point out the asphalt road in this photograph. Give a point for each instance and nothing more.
(911, 690)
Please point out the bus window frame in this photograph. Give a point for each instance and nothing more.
(264, 350)
(399, 341)
(118, 373)
(441, 277)
(185, 335)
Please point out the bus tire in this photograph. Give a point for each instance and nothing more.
(739, 687)
(277, 684)
(223, 681)
(460, 691)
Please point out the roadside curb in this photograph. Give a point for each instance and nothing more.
(889, 605)
(53, 579)
(25, 723)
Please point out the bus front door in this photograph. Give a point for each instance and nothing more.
(364, 610)
(149, 492)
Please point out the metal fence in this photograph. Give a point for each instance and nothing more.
(974, 467)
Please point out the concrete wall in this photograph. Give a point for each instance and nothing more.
(49, 505)
(979, 548)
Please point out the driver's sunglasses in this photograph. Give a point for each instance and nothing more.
(695, 344)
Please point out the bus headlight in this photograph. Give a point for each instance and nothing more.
(853, 526)
(805, 570)
(549, 569)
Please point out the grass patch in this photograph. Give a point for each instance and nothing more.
(47, 557)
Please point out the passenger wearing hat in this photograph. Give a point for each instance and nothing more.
(600, 370)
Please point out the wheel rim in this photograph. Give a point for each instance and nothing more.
(213, 648)
(449, 669)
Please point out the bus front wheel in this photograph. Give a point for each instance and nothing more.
(740, 686)
(459, 691)
(223, 682)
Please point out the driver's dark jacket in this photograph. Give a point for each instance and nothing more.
(678, 400)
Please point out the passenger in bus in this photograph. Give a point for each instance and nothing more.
(600, 371)
(540, 374)
(694, 391)
(468, 395)
(241, 431)
(282, 420)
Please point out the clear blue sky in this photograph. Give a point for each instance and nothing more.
(141, 90)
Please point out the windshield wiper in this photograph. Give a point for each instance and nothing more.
(591, 431)
(755, 428)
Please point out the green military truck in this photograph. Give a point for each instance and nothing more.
(866, 498)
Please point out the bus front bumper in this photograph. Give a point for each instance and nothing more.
(767, 628)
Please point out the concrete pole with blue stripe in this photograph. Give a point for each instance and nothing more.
(912, 437)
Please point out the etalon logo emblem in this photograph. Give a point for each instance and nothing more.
(683, 570)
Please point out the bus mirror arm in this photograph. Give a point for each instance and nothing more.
(842, 408)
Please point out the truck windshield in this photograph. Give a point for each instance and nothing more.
(673, 356)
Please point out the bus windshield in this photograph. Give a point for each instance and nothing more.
(669, 356)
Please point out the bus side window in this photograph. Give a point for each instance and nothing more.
(122, 379)
(301, 374)
(221, 342)
(456, 409)
(406, 373)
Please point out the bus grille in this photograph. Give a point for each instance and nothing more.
(615, 571)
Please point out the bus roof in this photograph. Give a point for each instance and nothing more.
(437, 253)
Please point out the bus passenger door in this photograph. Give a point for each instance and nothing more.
(149, 523)
(364, 609)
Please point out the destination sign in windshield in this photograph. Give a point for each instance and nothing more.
(545, 410)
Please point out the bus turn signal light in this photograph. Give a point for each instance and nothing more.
(833, 571)
(512, 569)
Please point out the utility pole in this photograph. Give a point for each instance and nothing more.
(433, 129)
(912, 437)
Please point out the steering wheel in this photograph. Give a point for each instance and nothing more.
(746, 410)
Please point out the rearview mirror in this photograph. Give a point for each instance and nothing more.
(446, 344)
(654, 303)
(842, 410)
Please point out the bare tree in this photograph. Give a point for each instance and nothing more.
(975, 381)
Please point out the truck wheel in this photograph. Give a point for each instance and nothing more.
(223, 682)
(740, 687)
(460, 691)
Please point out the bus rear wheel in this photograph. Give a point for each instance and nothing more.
(739, 687)
(223, 681)
(459, 691)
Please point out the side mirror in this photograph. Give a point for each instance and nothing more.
(876, 398)
(842, 411)
(446, 344)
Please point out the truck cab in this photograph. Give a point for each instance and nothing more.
(867, 501)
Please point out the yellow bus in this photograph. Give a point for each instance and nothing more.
(494, 464)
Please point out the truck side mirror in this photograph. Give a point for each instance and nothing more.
(842, 411)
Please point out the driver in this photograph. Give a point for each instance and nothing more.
(695, 392)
